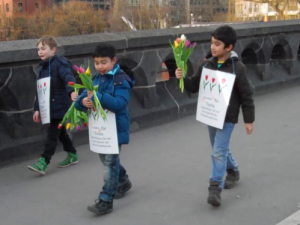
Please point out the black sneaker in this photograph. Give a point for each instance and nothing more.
(231, 178)
(101, 207)
(123, 189)
(214, 195)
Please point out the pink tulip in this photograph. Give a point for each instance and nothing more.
(194, 44)
(187, 43)
(78, 128)
(75, 68)
(81, 70)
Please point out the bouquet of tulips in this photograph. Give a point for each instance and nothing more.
(73, 116)
(182, 49)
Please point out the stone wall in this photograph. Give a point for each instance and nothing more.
(270, 51)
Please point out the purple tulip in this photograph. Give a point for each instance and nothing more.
(78, 128)
(75, 68)
(194, 44)
(187, 43)
(81, 70)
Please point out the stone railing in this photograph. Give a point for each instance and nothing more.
(270, 51)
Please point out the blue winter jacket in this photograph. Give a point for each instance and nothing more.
(60, 70)
(114, 95)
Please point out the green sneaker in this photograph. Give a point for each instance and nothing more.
(40, 167)
(70, 160)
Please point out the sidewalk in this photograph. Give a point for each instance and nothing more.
(169, 167)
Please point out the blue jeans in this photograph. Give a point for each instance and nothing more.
(114, 176)
(222, 159)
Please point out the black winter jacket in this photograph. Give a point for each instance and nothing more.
(241, 94)
(61, 74)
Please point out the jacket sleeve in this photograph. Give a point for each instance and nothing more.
(246, 96)
(192, 83)
(36, 106)
(117, 102)
(78, 103)
(66, 75)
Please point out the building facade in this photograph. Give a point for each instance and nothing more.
(9, 7)
(99, 4)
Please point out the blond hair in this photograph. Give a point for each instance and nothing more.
(48, 40)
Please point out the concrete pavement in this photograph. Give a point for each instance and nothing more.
(169, 167)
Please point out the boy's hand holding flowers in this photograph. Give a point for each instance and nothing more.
(87, 102)
(90, 94)
(178, 73)
(74, 96)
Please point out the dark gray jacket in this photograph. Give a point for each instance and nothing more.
(61, 73)
(241, 94)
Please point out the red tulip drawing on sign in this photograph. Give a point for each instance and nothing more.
(45, 87)
(212, 84)
(205, 82)
(223, 85)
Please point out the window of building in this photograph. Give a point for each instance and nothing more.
(37, 6)
(96, 7)
(7, 7)
(20, 7)
(135, 2)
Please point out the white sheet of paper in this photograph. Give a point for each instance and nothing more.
(214, 96)
(103, 134)
(43, 90)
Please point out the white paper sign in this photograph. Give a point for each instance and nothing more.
(214, 96)
(43, 90)
(103, 134)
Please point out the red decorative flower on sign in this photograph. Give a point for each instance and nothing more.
(206, 77)
(213, 80)
(223, 80)
(45, 84)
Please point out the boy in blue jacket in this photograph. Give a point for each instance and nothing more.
(61, 96)
(113, 94)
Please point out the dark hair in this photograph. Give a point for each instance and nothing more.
(226, 34)
(105, 50)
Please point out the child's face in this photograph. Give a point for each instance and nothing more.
(45, 52)
(217, 48)
(104, 64)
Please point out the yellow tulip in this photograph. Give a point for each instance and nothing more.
(176, 44)
(68, 126)
(88, 71)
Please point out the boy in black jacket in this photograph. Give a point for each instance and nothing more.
(222, 42)
(60, 71)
